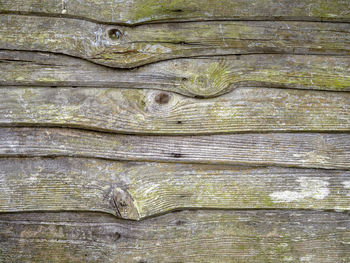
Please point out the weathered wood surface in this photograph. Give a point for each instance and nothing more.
(157, 112)
(188, 236)
(127, 47)
(199, 77)
(138, 190)
(140, 11)
(330, 151)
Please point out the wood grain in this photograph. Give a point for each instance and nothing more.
(141, 11)
(127, 47)
(158, 112)
(188, 236)
(134, 191)
(195, 77)
(329, 151)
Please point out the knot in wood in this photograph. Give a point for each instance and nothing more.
(114, 33)
(124, 204)
(162, 98)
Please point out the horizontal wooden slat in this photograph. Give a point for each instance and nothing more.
(188, 236)
(158, 112)
(199, 77)
(138, 11)
(139, 190)
(330, 151)
(127, 47)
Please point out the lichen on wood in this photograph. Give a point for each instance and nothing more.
(150, 43)
(142, 11)
(195, 77)
(188, 236)
(316, 150)
(137, 111)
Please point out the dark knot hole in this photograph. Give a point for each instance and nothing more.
(114, 33)
(162, 98)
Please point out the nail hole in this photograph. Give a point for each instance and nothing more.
(184, 79)
(114, 33)
(162, 98)
(178, 10)
(179, 122)
(176, 155)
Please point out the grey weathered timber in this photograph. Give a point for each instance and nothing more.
(140, 11)
(195, 77)
(137, 190)
(158, 112)
(187, 236)
(330, 151)
(127, 47)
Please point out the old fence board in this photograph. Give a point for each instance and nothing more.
(187, 236)
(140, 11)
(139, 190)
(127, 47)
(309, 150)
(157, 112)
(175, 131)
(195, 77)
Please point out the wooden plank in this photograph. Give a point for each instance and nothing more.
(138, 190)
(159, 112)
(127, 47)
(199, 77)
(140, 11)
(188, 236)
(329, 151)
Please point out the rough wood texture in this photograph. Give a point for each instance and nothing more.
(330, 151)
(158, 112)
(140, 11)
(139, 190)
(127, 47)
(188, 236)
(199, 77)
